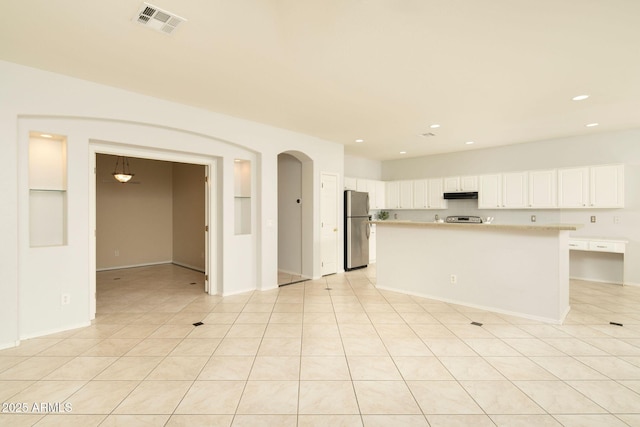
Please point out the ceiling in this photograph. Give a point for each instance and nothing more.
(495, 72)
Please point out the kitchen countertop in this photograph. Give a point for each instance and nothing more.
(540, 227)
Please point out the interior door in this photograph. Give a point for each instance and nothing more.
(329, 223)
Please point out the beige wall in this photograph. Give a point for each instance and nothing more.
(158, 217)
(188, 215)
(133, 220)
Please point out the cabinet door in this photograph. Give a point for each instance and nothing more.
(451, 184)
(573, 188)
(607, 186)
(361, 185)
(380, 194)
(393, 194)
(435, 190)
(420, 194)
(372, 244)
(514, 190)
(490, 191)
(350, 183)
(543, 189)
(406, 194)
(469, 183)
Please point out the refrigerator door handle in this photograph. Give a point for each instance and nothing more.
(368, 230)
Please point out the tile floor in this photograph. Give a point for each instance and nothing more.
(303, 355)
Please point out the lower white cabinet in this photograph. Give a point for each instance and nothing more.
(372, 244)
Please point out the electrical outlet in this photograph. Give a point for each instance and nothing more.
(116, 252)
(533, 218)
(593, 218)
(454, 279)
(65, 299)
(616, 219)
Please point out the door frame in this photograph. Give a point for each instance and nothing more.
(337, 221)
(212, 261)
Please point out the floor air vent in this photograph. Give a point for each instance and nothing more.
(157, 19)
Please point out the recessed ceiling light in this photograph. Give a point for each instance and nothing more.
(359, 140)
(46, 135)
(470, 142)
(580, 97)
(434, 126)
(403, 152)
(590, 125)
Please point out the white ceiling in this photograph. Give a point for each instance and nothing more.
(491, 71)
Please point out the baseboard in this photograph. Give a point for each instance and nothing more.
(10, 344)
(147, 264)
(481, 307)
(190, 267)
(587, 279)
(55, 330)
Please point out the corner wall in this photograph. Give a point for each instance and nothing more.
(89, 113)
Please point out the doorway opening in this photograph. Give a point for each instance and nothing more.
(158, 220)
(295, 216)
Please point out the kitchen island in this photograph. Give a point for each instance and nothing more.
(521, 270)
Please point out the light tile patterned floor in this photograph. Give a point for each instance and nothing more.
(303, 355)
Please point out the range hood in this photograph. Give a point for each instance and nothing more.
(462, 195)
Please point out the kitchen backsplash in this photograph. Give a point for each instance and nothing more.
(470, 207)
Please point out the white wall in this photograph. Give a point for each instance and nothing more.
(134, 125)
(600, 148)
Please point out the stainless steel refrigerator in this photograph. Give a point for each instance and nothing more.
(357, 229)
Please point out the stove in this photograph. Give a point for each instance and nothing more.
(465, 219)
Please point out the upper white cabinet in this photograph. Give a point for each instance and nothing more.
(435, 194)
(350, 183)
(543, 189)
(606, 185)
(573, 188)
(502, 191)
(591, 187)
(490, 191)
(428, 194)
(375, 189)
(455, 184)
(399, 194)
(514, 190)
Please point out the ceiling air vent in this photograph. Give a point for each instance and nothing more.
(157, 19)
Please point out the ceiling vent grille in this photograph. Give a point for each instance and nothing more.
(157, 19)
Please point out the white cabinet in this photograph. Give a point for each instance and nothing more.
(350, 183)
(543, 189)
(372, 244)
(399, 194)
(420, 194)
(606, 184)
(375, 189)
(490, 191)
(435, 194)
(573, 187)
(455, 184)
(500, 191)
(591, 187)
(380, 201)
(428, 194)
(514, 190)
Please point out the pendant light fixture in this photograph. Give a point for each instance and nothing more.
(124, 174)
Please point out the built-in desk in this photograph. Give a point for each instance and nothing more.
(521, 270)
(588, 265)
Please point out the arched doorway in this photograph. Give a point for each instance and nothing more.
(295, 216)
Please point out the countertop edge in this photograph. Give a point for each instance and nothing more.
(540, 227)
